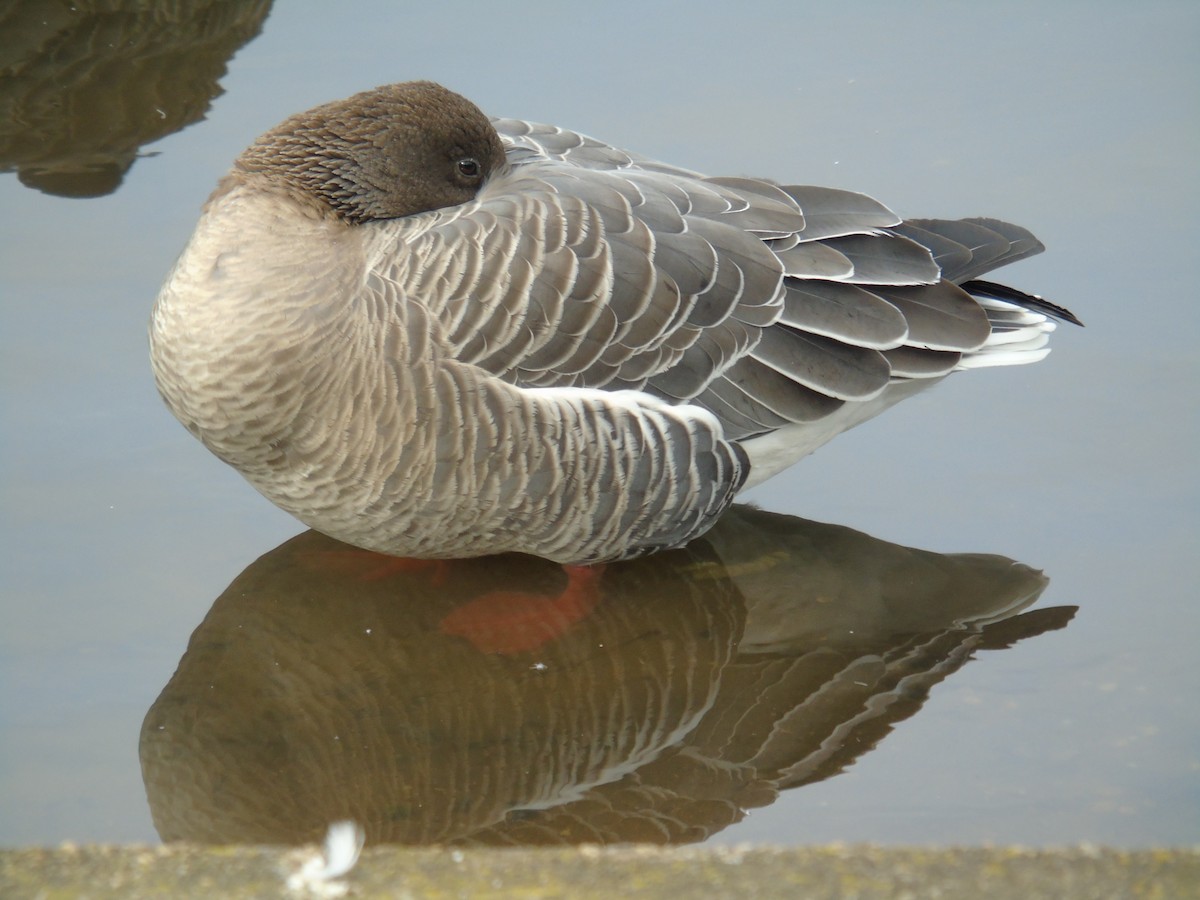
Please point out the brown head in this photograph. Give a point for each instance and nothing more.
(393, 151)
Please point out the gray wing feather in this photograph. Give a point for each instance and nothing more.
(705, 360)
(748, 276)
(779, 392)
(983, 246)
(914, 362)
(740, 415)
(967, 248)
(754, 399)
(823, 364)
(886, 259)
(940, 316)
(949, 254)
(1023, 243)
(764, 209)
(813, 260)
(829, 212)
(691, 262)
(843, 311)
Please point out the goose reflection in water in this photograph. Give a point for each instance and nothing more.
(507, 700)
(84, 85)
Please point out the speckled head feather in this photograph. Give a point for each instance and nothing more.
(389, 152)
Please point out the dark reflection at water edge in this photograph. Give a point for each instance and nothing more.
(84, 85)
(507, 700)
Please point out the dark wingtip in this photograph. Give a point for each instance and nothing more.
(1029, 301)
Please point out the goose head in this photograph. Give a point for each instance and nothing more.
(386, 153)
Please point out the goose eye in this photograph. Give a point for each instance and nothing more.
(469, 168)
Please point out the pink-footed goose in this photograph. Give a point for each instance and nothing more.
(434, 334)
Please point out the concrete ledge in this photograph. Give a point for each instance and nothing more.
(863, 872)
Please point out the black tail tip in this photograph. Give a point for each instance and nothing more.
(1020, 298)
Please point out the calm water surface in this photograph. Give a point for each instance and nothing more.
(783, 681)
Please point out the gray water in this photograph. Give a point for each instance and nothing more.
(1079, 121)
